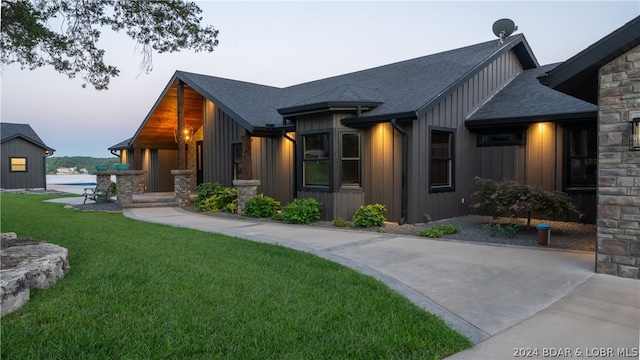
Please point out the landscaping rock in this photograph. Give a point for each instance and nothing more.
(28, 264)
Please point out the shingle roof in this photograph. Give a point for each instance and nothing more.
(11, 131)
(410, 85)
(525, 99)
(402, 87)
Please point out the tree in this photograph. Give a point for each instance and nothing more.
(64, 33)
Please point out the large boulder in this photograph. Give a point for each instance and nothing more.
(28, 264)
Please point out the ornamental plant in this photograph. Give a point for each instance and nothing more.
(439, 230)
(369, 215)
(215, 197)
(261, 206)
(509, 198)
(302, 211)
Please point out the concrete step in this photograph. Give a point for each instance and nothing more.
(147, 204)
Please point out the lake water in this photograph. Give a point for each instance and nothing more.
(76, 179)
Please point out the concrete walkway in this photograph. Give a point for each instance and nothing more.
(544, 302)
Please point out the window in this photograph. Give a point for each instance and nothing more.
(237, 161)
(582, 157)
(350, 159)
(315, 160)
(502, 138)
(18, 164)
(441, 169)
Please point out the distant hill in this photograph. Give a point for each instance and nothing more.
(79, 163)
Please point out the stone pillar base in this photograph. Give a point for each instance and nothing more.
(182, 186)
(126, 185)
(247, 189)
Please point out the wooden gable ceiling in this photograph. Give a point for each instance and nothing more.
(158, 131)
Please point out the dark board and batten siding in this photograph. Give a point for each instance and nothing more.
(382, 168)
(34, 177)
(271, 158)
(450, 113)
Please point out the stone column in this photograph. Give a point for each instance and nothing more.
(247, 189)
(103, 178)
(182, 186)
(618, 250)
(126, 186)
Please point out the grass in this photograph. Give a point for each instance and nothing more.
(139, 290)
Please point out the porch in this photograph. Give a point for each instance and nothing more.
(130, 189)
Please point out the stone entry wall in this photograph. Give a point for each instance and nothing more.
(618, 251)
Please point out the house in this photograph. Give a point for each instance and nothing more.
(23, 158)
(607, 73)
(411, 135)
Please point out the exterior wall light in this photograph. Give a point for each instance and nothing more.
(634, 134)
(187, 133)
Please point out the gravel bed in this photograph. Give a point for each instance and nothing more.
(564, 235)
(91, 206)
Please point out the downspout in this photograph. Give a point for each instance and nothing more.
(405, 165)
(295, 158)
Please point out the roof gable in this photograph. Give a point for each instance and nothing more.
(578, 76)
(11, 131)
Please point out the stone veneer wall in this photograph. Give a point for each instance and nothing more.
(618, 251)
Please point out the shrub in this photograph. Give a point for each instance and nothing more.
(369, 215)
(509, 198)
(261, 207)
(340, 222)
(215, 197)
(439, 230)
(506, 230)
(302, 211)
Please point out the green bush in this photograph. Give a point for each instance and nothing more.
(261, 206)
(369, 215)
(302, 211)
(506, 230)
(439, 230)
(215, 197)
(340, 222)
(509, 198)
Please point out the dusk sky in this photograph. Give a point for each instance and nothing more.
(286, 43)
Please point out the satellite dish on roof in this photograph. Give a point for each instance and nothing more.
(503, 28)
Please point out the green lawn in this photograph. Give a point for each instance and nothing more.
(146, 291)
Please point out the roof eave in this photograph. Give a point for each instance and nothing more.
(307, 109)
(526, 120)
(365, 121)
(585, 64)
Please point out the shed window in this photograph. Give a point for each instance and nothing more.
(441, 167)
(18, 164)
(582, 157)
(350, 159)
(316, 160)
(237, 161)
